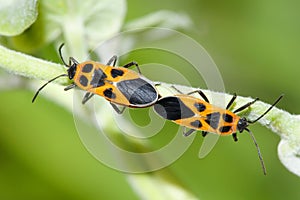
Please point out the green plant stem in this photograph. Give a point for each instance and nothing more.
(29, 66)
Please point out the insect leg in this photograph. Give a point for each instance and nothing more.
(118, 110)
(131, 64)
(201, 94)
(71, 59)
(245, 106)
(204, 133)
(234, 137)
(189, 132)
(87, 97)
(195, 91)
(112, 60)
(70, 87)
(172, 86)
(231, 101)
(157, 83)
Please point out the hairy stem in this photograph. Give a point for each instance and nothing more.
(29, 66)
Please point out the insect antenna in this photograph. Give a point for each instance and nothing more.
(37, 92)
(279, 98)
(60, 54)
(258, 152)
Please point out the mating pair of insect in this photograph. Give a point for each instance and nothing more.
(122, 86)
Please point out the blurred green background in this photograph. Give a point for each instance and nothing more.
(255, 44)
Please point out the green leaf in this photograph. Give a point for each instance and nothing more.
(16, 16)
(90, 21)
(162, 18)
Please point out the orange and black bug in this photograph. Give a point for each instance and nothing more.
(118, 85)
(198, 114)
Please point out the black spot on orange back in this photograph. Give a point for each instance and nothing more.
(87, 68)
(200, 106)
(116, 72)
(224, 129)
(98, 78)
(196, 124)
(213, 119)
(109, 93)
(227, 118)
(83, 80)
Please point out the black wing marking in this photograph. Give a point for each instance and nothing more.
(138, 91)
(172, 108)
